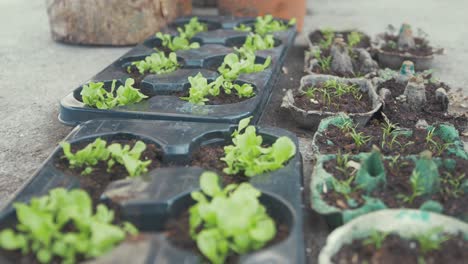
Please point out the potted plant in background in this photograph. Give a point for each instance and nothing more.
(122, 23)
(278, 8)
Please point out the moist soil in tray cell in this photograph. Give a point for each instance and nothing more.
(431, 111)
(453, 199)
(222, 98)
(345, 103)
(401, 145)
(395, 249)
(209, 157)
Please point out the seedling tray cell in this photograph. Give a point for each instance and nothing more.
(218, 41)
(150, 200)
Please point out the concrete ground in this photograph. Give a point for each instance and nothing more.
(37, 72)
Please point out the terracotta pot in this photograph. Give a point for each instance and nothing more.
(108, 22)
(279, 8)
(184, 7)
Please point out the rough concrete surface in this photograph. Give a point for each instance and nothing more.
(37, 72)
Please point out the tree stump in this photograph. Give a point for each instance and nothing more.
(109, 22)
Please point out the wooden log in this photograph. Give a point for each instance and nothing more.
(108, 22)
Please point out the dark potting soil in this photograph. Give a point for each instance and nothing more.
(317, 36)
(432, 111)
(209, 157)
(136, 75)
(96, 182)
(422, 48)
(398, 175)
(221, 99)
(343, 142)
(178, 233)
(396, 249)
(345, 103)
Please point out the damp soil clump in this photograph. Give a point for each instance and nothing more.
(395, 249)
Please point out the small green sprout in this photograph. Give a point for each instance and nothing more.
(328, 36)
(156, 63)
(431, 240)
(394, 161)
(344, 187)
(376, 239)
(200, 89)
(416, 188)
(267, 24)
(176, 43)
(86, 157)
(234, 65)
(310, 92)
(434, 146)
(354, 38)
(95, 95)
(255, 42)
(97, 151)
(243, 27)
(453, 184)
(247, 154)
(359, 138)
(129, 158)
(342, 163)
(192, 28)
(323, 62)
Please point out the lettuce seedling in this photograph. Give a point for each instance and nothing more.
(86, 157)
(243, 27)
(200, 89)
(176, 43)
(157, 63)
(62, 224)
(115, 153)
(192, 28)
(244, 90)
(267, 24)
(129, 158)
(255, 42)
(127, 94)
(247, 154)
(234, 64)
(95, 95)
(229, 220)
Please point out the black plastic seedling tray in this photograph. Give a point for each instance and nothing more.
(217, 42)
(149, 201)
